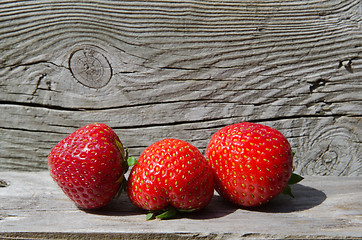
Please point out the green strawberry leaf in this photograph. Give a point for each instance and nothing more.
(167, 213)
(132, 161)
(294, 178)
(170, 212)
(288, 191)
(150, 216)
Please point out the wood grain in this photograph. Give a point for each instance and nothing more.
(33, 206)
(182, 69)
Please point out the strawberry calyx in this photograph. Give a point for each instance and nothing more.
(130, 161)
(294, 179)
(167, 213)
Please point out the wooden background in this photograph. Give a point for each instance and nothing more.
(182, 69)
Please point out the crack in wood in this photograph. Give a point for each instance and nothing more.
(16, 65)
(30, 130)
(42, 76)
(38, 105)
(320, 82)
(347, 64)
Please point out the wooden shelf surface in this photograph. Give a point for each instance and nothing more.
(33, 206)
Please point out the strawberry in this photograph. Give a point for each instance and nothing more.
(252, 163)
(170, 175)
(89, 165)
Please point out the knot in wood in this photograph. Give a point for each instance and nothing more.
(90, 67)
(3, 183)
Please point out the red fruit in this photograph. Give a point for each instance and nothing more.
(89, 165)
(171, 172)
(252, 163)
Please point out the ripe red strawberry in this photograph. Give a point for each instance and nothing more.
(89, 165)
(252, 163)
(173, 173)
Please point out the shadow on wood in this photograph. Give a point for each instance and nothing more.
(217, 208)
(117, 207)
(305, 198)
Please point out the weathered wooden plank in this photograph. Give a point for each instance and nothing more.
(320, 142)
(325, 207)
(182, 69)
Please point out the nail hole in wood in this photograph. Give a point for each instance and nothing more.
(3, 183)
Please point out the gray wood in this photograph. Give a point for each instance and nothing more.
(323, 207)
(182, 69)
